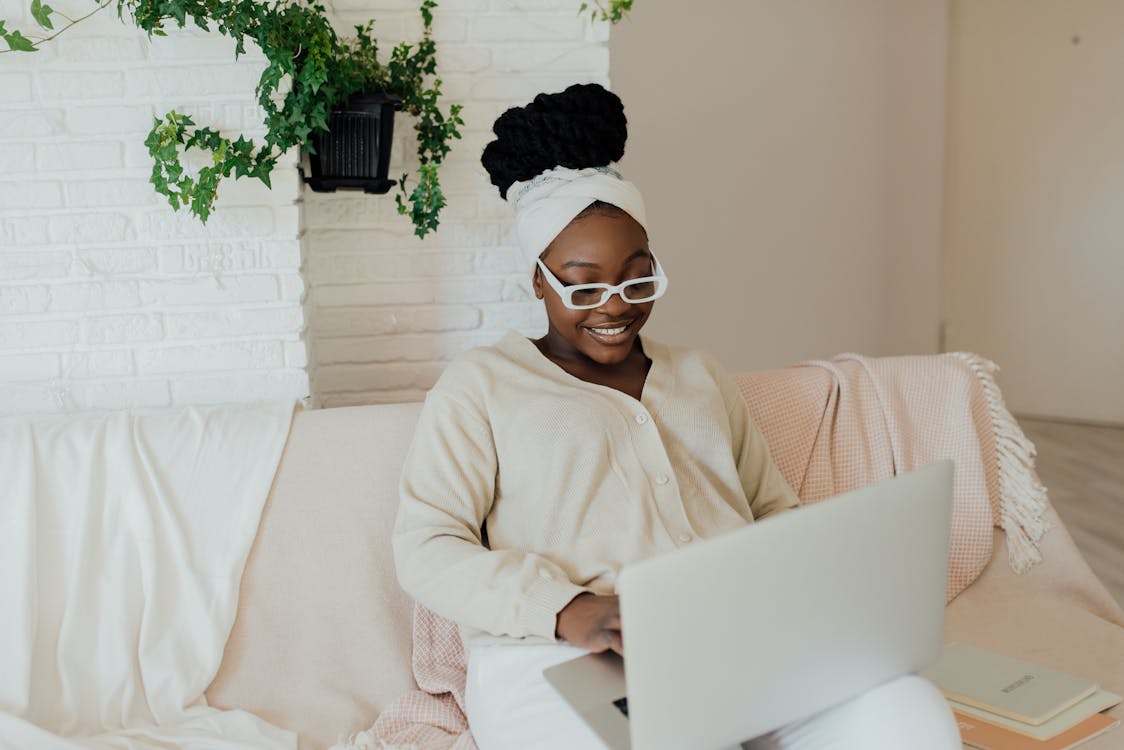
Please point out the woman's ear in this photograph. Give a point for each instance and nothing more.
(536, 283)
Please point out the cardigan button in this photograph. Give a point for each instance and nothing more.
(663, 479)
(685, 538)
(641, 419)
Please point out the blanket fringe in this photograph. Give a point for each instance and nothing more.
(1023, 499)
(366, 740)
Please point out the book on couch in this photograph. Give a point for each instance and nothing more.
(1010, 687)
(984, 735)
(1099, 701)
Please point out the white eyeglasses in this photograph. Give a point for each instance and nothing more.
(588, 296)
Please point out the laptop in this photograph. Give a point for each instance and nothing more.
(801, 611)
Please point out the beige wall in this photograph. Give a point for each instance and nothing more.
(1034, 271)
(791, 156)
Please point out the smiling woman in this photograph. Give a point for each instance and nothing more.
(541, 468)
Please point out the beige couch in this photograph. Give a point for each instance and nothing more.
(323, 635)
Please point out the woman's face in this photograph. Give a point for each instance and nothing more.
(599, 247)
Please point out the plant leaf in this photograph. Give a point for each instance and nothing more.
(18, 42)
(42, 14)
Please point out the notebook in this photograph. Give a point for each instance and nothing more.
(827, 622)
(1099, 701)
(985, 736)
(1004, 685)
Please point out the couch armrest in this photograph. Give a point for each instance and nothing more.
(322, 641)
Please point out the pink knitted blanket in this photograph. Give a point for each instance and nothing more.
(832, 426)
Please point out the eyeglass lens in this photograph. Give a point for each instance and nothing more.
(637, 291)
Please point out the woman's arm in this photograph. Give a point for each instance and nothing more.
(764, 486)
(447, 490)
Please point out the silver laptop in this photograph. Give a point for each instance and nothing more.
(799, 612)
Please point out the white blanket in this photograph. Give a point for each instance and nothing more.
(123, 538)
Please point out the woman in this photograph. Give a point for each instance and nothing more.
(540, 468)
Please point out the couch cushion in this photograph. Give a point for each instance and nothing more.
(322, 639)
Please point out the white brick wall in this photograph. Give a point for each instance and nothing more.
(387, 311)
(108, 299)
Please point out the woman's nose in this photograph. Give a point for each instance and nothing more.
(616, 304)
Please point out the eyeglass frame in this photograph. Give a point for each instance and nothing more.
(566, 293)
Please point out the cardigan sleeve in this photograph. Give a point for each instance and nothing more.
(446, 492)
(764, 485)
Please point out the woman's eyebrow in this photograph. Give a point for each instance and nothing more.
(589, 264)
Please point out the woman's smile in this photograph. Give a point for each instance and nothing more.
(612, 334)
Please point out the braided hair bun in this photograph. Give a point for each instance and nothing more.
(583, 126)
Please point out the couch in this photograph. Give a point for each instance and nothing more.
(322, 640)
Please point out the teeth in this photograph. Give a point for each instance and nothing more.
(609, 331)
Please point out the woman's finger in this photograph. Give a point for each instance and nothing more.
(615, 641)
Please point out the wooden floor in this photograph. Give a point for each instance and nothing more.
(1082, 467)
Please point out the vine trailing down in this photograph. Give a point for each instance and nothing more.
(319, 70)
(614, 13)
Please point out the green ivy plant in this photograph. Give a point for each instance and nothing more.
(310, 70)
(617, 10)
(42, 13)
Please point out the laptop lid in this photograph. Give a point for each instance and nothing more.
(741, 634)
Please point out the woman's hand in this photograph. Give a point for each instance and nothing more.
(593, 622)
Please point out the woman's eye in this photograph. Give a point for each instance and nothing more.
(583, 296)
(643, 289)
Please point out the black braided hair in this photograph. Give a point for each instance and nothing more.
(583, 126)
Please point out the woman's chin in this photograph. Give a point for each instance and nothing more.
(608, 350)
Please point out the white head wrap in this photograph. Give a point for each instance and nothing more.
(545, 204)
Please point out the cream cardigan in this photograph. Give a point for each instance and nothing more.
(525, 486)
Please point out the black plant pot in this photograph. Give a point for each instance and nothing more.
(355, 151)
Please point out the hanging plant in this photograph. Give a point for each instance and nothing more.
(310, 70)
(616, 10)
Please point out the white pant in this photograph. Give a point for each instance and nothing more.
(511, 707)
